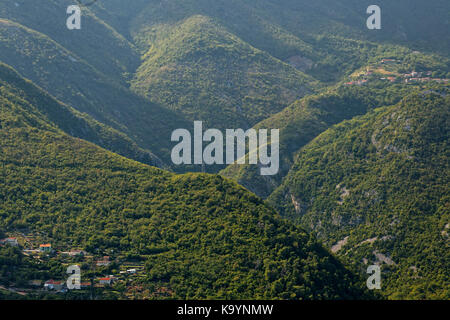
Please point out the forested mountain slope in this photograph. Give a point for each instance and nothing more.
(327, 37)
(96, 43)
(363, 118)
(200, 69)
(76, 83)
(228, 63)
(374, 85)
(201, 236)
(33, 99)
(376, 189)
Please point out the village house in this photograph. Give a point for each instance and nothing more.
(9, 241)
(46, 247)
(106, 280)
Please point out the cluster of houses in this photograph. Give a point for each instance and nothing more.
(60, 286)
(35, 249)
(412, 77)
(9, 241)
(421, 77)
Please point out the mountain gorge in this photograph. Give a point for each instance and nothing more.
(86, 118)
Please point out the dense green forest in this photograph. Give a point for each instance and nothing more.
(378, 186)
(305, 119)
(72, 81)
(201, 70)
(68, 119)
(227, 63)
(200, 235)
(86, 118)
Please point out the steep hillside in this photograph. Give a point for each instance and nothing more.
(14, 89)
(201, 236)
(374, 85)
(96, 42)
(74, 82)
(200, 69)
(229, 63)
(325, 38)
(304, 120)
(86, 118)
(375, 189)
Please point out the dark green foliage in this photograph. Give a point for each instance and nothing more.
(201, 236)
(380, 179)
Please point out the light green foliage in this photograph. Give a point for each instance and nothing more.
(201, 70)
